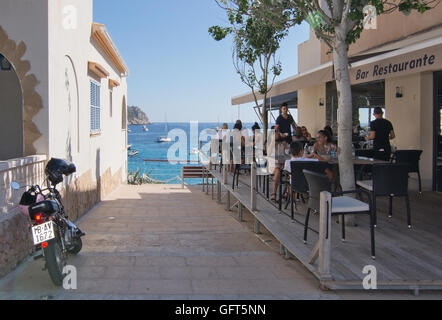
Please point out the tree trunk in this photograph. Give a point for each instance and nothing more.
(345, 110)
(265, 120)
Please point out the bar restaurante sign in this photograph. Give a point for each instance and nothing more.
(427, 59)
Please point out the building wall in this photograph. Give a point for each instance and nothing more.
(398, 26)
(310, 114)
(309, 53)
(25, 45)
(100, 159)
(390, 28)
(412, 119)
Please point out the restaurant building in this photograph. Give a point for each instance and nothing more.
(397, 66)
(63, 94)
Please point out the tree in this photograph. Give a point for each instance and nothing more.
(256, 39)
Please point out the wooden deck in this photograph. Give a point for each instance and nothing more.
(406, 259)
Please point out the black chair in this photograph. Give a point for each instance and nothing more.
(298, 183)
(368, 153)
(341, 204)
(411, 158)
(389, 180)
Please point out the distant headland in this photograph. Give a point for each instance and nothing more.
(136, 116)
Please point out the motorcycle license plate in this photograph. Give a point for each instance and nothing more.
(43, 232)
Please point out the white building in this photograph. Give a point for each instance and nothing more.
(63, 94)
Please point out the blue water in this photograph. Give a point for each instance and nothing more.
(149, 149)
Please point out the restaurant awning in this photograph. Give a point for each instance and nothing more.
(321, 74)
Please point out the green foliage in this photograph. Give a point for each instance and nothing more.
(256, 39)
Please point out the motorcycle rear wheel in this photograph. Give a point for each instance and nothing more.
(55, 261)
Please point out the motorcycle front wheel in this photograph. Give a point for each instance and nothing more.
(55, 261)
(77, 246)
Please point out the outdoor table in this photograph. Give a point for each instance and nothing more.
(360, 162)
(357, 161)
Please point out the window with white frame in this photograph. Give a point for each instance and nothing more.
(95, 107)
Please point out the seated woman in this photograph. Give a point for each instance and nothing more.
(306, 134)
(299, 136)
(322, 150)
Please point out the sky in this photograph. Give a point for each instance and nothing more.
(176, 70)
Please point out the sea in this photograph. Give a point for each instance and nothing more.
(152, 155)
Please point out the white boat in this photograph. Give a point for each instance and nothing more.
(133, 153)
(145, 128)
(164, 139)
(166, 129)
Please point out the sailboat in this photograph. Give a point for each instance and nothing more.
(145, 128)
(166, 129)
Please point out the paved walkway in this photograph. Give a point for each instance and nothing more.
(163, 242)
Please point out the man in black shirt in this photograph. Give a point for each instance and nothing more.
(381, 132)
(284, 122)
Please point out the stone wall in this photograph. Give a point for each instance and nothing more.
(15, 235)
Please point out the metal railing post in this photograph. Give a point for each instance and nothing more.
(253, 186)
(325, 235)
(218, 191)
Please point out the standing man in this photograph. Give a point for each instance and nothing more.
(381, 132)
(284, 122)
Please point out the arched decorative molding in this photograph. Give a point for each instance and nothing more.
(32, 102)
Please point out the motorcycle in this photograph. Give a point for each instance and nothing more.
(52, 232)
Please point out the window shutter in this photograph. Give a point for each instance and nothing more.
(95, 107)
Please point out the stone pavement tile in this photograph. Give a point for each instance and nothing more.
(264, 259)
(160, 261)
(211, 261)
(113, 260)
(104, 286)
(188, 273)
(133, 273)
(90, 272)
(179, 287)
(245, 273)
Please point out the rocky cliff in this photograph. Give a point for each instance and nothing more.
(136, 116)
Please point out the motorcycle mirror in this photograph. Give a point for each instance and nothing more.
(15, 185)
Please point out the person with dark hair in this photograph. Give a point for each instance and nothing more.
(284, 123)
(299, 136)
(329, 130)
(255, 127)
(306, 134)
(237, 130)
(323, 150)
(296, 153)
(323, 147)
(381, 132)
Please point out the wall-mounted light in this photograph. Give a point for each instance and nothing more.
(321, 102)
(399, 92)
(4, 64)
